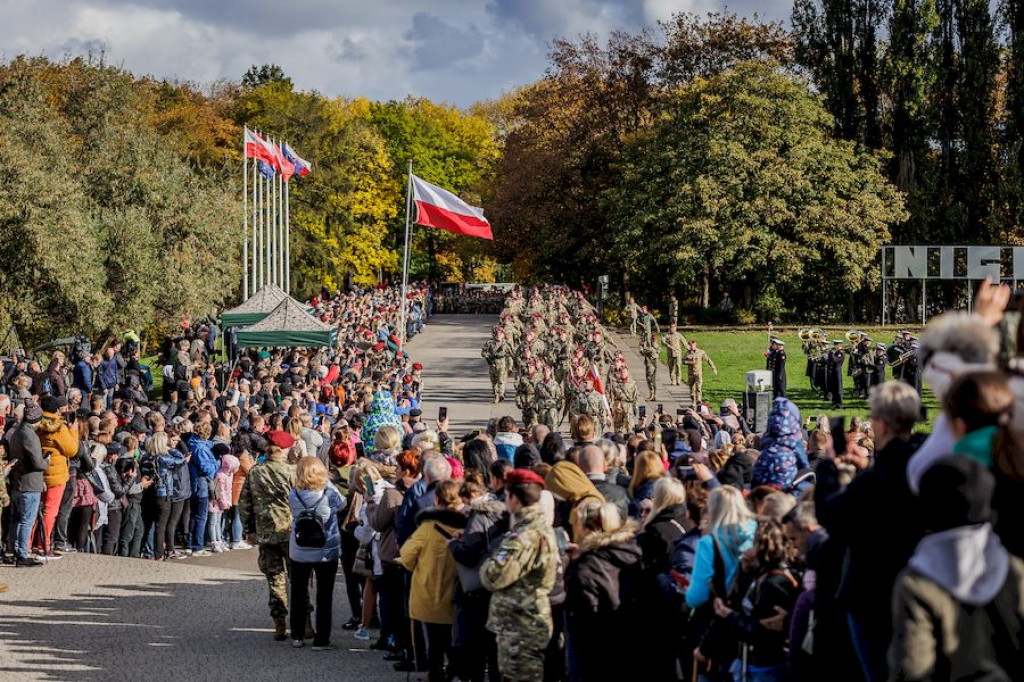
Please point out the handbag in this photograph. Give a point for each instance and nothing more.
(363, 564)
(469, 577)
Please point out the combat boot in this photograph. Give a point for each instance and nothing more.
(280, 630)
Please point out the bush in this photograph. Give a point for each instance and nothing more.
(744, 316)
(615, 317)
(769, 306)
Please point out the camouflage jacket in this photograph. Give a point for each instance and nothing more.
(264, 501)
(496, 352)
(547, 395)
(521, 573)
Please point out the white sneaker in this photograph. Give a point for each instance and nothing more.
(202, 552)
(216, 548)
(241, 544)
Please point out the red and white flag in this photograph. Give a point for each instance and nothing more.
(258, 148)
(436, 207)
(599, 385)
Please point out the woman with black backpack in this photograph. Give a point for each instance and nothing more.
(314, 548)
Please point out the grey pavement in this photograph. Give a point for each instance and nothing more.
(455, 375)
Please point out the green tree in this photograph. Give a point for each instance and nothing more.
(744, 186)
(265, 74)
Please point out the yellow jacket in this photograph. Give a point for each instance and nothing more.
(61, 444)
(426, 554)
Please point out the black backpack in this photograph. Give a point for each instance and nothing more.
(309, 529)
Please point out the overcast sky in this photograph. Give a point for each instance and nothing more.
(458, 51)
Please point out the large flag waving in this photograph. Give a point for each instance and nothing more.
(436, 207)
(258, 148)
(302, 167)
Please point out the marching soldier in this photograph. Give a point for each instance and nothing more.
(633, 310)
(547, 399)
(590, 402)
(649, 352)
(776, 364)
(498, 355)
(524, 395)
(695, 359)
(267, 520)
(624, 401)
(597, 352)
(520, 574)
(649, 327)
(836, 356)
(674, 342)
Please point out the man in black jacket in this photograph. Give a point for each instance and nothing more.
(592, 462)
(876, 521)
(27, 485)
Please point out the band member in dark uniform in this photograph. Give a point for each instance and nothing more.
(777, 366)
(911, 374)
(836, 357)
(880, 360)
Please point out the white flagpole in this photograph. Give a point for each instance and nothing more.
(245, 221)
(287, 240)
(273, 226)
(268, 202)
(258, 256)
(280, 231)
(255, 221)
(405, 260)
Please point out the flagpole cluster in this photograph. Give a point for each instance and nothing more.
(273, 166)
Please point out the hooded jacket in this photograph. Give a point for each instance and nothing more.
(222, 483)
(202, 466)
(60, 444)
(567, 481)
(382, 413)
(488, 520)
(958, 610)
(782, 448)
(426, 555)
(382, 516)
(602, 587)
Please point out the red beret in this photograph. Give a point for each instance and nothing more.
(417, 367)
(520, 476)
(379, 345)
(281, 439)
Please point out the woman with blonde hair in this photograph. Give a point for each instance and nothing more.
(647, 469)
(601, 586)
(298, 450)
(313, 549)
(729, 528)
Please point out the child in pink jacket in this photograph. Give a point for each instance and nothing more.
(221, 502)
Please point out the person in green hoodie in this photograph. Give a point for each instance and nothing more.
(979, 406)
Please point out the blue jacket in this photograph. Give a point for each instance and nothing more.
(733, 541)
(167, 467)
(108, 373)
(327, 502)
(182, 485)
(644, 492)
(202, 466)
(405, 522)
(83, 378)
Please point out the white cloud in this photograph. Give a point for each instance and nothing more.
(451, 50)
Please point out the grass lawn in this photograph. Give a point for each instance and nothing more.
(736, 353)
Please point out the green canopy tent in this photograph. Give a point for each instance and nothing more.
(289, 324)
(255, 308)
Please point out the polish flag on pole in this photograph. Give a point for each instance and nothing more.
(258, 148)
(436, 207)
(598, 385)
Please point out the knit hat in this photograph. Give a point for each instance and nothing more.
(956, 491)
(33, 413)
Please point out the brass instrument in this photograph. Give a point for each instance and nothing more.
(805, 335)
(904, 357)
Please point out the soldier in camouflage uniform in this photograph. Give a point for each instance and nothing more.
(520, 574)
(624, 400)
(267, 520)
(498, 355)
(675, 343)
(649, 327)
(524, 395)
(649, 352)
(597, 352)
(547, 400)
(695, 359)
(591, 402)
